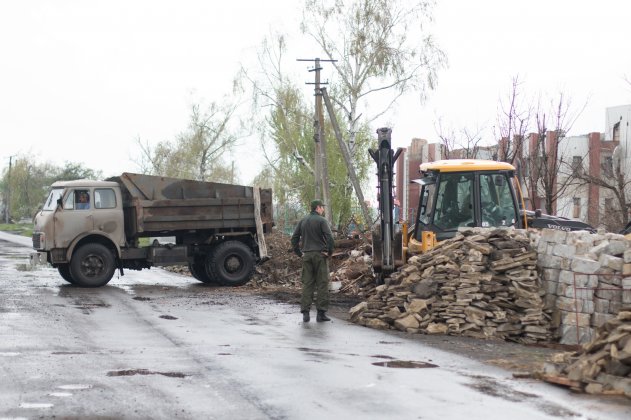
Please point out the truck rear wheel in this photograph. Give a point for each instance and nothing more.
(64, 272)
(230, 264)
(92, 265)
(198, 271)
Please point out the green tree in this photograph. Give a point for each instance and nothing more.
(287, 139)
(27, 183)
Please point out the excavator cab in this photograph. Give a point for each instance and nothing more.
(463, 193)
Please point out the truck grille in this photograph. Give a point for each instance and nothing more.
(36, 241)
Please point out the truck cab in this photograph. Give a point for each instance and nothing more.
(75, 210)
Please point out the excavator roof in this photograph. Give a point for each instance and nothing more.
(465, 165)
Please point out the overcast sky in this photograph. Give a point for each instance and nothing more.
(81, 80)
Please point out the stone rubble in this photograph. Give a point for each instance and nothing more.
(482, 283)
(602, 366)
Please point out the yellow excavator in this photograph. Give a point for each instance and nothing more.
(453, 194)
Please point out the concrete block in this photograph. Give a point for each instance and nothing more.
(610, 293)
(601, 305)
(551, 274)
(599, 248)
(542, 247)
(609, 261)
(563, 250)
(617, 247)
(570, 334)
(584, 265)
(627, 256)
(599, 318)
(549, 261)
(582, 247)
(575, 305)
(569, 318)
(552, 235)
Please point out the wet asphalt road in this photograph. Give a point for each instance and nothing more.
(158, 345)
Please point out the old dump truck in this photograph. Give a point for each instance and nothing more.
(88, 229)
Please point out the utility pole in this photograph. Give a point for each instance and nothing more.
(7, 199)
(347, 158)
(321, 161)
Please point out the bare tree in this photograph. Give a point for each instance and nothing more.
(464, 144)
(552, 172)
(381, 47)
(615, 179)
(197, 152)
(513, 123)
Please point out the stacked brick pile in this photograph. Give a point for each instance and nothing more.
(601, 367)
(482, 283)
(584, 277)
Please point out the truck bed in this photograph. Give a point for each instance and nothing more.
(161, 206)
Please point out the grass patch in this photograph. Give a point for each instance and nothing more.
(23, 229)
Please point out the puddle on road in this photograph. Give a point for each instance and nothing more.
(132, 372)
(308, 350)
(382, 356)
(167, 317)
(74, 386)
(36, 405)
(67, 353)
(405, 364)
(8, 353)
(141, 298)
(60, 394)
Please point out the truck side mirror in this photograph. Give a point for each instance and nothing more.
(59, 203)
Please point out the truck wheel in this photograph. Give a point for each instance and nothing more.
(198, 271)
(92, 265)
(230, 264)
(64, 272)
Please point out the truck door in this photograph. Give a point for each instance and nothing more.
(107, 216)
(75, 217)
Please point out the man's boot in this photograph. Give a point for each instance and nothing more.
(305, 316)
(321, 317)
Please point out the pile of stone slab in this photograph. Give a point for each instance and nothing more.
(482, 283)
(602, 366)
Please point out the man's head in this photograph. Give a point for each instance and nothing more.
(317, 206)
(83, 197)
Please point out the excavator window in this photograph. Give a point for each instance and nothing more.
(454, 207)
(496, 201)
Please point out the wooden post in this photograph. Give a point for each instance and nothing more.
(259, 224)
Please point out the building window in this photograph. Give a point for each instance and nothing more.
(608, 204)
(608, 166)
(577, 208)
(616, 131)
(577, 164)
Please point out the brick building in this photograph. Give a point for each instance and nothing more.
(594, 153)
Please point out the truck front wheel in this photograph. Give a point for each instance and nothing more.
(92, 265)
(230, 264)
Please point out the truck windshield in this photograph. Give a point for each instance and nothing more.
(51, 201)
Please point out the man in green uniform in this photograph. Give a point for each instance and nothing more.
(317, 246)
